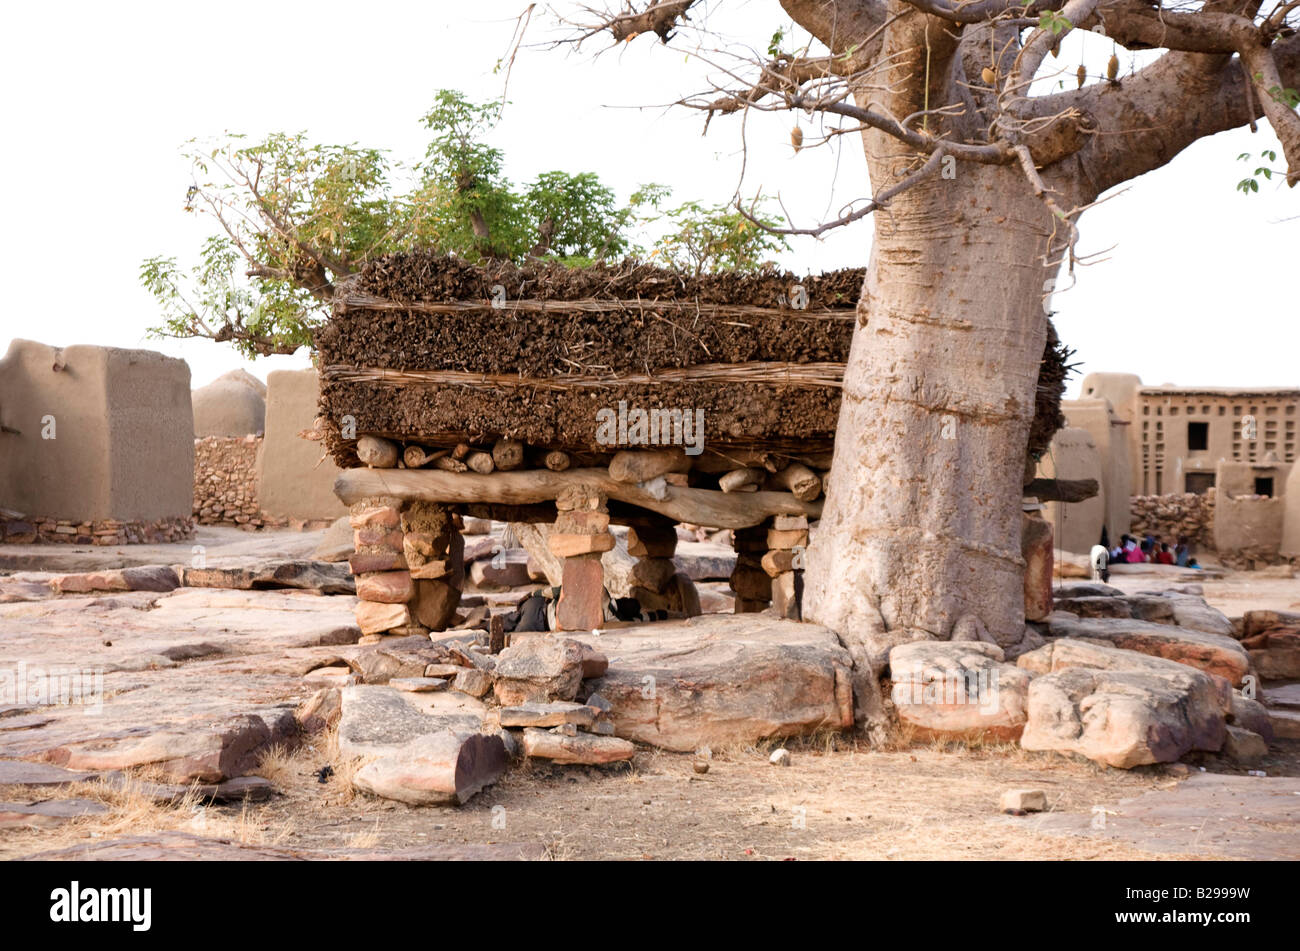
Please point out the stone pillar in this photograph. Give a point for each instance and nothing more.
(580, 537)
(654, 575)
(787, 541)
(435, 553)
(384, 585)
(749, 581)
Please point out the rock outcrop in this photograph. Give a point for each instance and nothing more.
(1121, 707)
(958, 689)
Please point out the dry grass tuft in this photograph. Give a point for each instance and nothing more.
(278, 764)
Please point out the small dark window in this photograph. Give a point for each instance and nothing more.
(1264, 486)
(1198, 436)
(1198, 482)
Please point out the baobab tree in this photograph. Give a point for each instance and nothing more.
(984, 174)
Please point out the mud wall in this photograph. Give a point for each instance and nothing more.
(95, 434)
(1075, 525)
(231, 405)
(295, 479)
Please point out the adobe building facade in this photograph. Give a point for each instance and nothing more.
(96, 445)
(1239, 443)
(1177, 435)
(1110, 437)
(1249, 525)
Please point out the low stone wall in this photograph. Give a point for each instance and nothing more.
(225, 481)
(107, 531)
(1170, 516)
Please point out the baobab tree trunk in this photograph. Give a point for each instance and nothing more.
(919, 539)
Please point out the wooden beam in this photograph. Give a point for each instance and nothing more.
(681, 504)
(1061, 490)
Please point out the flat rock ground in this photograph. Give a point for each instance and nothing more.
(183, 663)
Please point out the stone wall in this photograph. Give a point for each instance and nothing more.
(225, 481)
(106, 531)
(1170, 516)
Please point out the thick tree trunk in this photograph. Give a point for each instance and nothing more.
(920, 535)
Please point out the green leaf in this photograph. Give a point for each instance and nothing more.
(1055, 22)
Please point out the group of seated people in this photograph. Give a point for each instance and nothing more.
(1152, 549)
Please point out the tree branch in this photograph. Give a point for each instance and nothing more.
(879, 201)
(1166, 107)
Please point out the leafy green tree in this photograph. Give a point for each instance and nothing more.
(705, 239)
(296, 218)
(576, 218)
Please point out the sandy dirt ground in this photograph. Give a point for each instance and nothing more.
(833, 802)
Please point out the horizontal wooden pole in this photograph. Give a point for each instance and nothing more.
(694, 308)
(1062, 490)
(681, 504)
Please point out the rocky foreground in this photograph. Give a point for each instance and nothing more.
(190, 676)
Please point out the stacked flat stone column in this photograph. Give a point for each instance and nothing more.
(749, 581)
(384, 586)
(653, 545)
(435, 554)
(787, 541)
(580, 537)
(409, 566)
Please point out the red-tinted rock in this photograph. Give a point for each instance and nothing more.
(582, 592)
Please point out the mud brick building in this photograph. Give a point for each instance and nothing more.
(96, 445)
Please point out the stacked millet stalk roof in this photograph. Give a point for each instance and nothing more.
(498, 385)
(419, 351)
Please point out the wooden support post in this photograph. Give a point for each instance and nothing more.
(679, 503)
(799, 480)
(507, 454)
(377, 452)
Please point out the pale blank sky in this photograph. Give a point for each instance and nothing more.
(100, 97)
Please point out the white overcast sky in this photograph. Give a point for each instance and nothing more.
(1199, 288)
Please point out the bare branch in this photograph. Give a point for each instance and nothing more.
(879, 201)
(1262, 71)
(1163, 109)
(659, 18)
